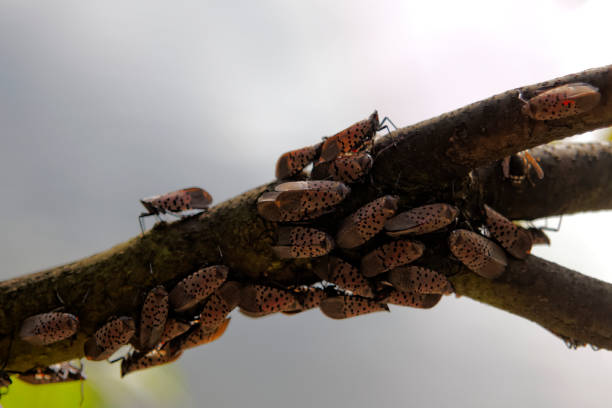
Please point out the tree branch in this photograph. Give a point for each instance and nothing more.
(565, 302)
(115, 282)
(451, 145)
(577, 178)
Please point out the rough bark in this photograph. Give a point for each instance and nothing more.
(451, 145)
(577, 178)
(573, 306)
(114, 282)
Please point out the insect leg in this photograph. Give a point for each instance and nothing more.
(534, 163)
(86, 296)
(117, 359)
(220, 254)
(141, 222)
(505, 164)
(59, 298)
(547, 228)
(386, 119)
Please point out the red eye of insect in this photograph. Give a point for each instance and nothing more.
(568, 102)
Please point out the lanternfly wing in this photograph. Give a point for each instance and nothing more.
(302, 242)
(220, 304)
(411, 299)
(140, 361)
(335, 189)
(109, 338)
(422, 220)
(514, 239)
(301, 200)
(197, 287)
(191, 198)
(268, 207)
(262, 300)
(350, 139)
(482, 256)
(48, 328)
(343, 307)
(366, 222)
(173, 329)
(419, 280)
(538, 237)
(291, 163)
(347, 168)
(563, 101)
(308, 298)
(153, 317)
(200, 335)
(344, 275)
(391, 255)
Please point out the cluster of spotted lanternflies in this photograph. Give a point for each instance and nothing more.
(385, 275)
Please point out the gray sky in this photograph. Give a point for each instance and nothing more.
(101, 104)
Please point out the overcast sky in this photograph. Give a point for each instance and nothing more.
(104, 103)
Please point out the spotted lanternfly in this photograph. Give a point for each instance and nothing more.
(562, 101)
(344, 275)
(366, 222)
(291, 163)
(347, 168)
(220, 304)
(140, 361)
(421, 220)
(263, 300)
(390, 256)
(197, 287)
(192, 198)
(302, 242)
(538, 237)
(343, 307)
(173, 329)
(514, 239)
(350, 139)
(334, 189)
(200, 335)
(525, 162)
(419, 280)
(411, 299)
(55, 373)
(109, 338)
(47, 328)
(153, 317)
(309, 298)
(482, 256)
(301, 200)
